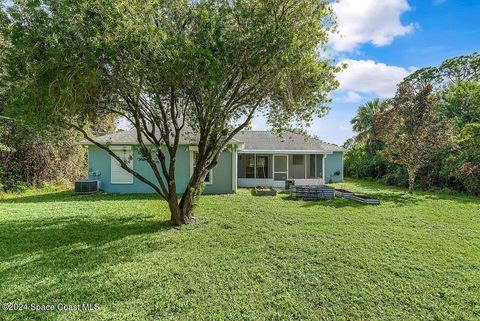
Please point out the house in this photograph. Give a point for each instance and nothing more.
(252, 158)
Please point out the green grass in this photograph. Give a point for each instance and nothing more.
(245, 258)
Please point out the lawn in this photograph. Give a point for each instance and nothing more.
(245, 258)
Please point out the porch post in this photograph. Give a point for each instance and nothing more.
(305, 164)
(323, 169)
(288, 172)
(273, 168)
(255, 166)
(234, 168)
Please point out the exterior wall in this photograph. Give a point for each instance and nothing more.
(99, 161)
(334, 163)
(253, 182)
(222, 175)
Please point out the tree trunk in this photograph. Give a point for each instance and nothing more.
(176, 216)
(180, 213)
(411, 179)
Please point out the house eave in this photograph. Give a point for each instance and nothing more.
(285, 151)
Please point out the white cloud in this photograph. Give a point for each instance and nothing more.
(352, 97)
(370, 77)
(375, 21)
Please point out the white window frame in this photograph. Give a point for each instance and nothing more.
(113, 162)
(192, 151)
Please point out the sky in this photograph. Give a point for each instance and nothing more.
(382, 41)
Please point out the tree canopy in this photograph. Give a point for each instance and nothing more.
(412, 130)
(460, 68)
(168, 67)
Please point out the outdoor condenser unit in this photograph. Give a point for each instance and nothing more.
(87, 186)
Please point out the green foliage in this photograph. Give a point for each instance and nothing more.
(413, 257)
(460, 68)
(460, 102)
(35, 158)
(170, 68)
(412, 131)
(464, 165)
(80, 59)
(456, 100)
(364, 122)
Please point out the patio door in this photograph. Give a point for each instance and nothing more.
(280, 168)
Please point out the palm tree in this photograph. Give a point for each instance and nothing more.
(364, 122)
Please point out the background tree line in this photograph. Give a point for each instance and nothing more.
(428, 135)
(32, 157)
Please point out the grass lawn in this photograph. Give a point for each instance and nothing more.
(246, 257)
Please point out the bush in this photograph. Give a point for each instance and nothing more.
(360, 164)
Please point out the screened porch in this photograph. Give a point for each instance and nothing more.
(275, 169)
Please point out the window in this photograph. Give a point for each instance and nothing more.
(118, 174)
(209, 178)
(298, 159)
(262, 167)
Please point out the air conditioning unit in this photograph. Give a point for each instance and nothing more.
(87, 186)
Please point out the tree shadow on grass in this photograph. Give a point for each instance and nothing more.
(68, 196)
(21, 237)
(335, 203)
(401, 196)
(59, 259)
(253, 193)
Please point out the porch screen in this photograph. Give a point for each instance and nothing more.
(262, 167)
(315, 166)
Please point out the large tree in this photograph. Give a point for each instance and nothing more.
(168, 67)
(460, 102)
(452, 70)
(412, 129)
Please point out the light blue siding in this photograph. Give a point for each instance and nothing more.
(333, 164)
(100, 161)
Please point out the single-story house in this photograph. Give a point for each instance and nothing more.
(252, 158)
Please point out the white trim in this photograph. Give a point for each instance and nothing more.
(210, 182)
(283, 151)
(323, 168)
(305, 164)
(120, 147)
(88, 162)
(342, 166)
(183, 143)
(273, 166)
(288, 167)
(234, 169)
(255, 166)
(113, 162)
(194, 148)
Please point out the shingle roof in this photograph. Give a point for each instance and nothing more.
(252, 140)
(129, 137)
(267, 141)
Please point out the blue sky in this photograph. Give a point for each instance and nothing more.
(383, 41)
